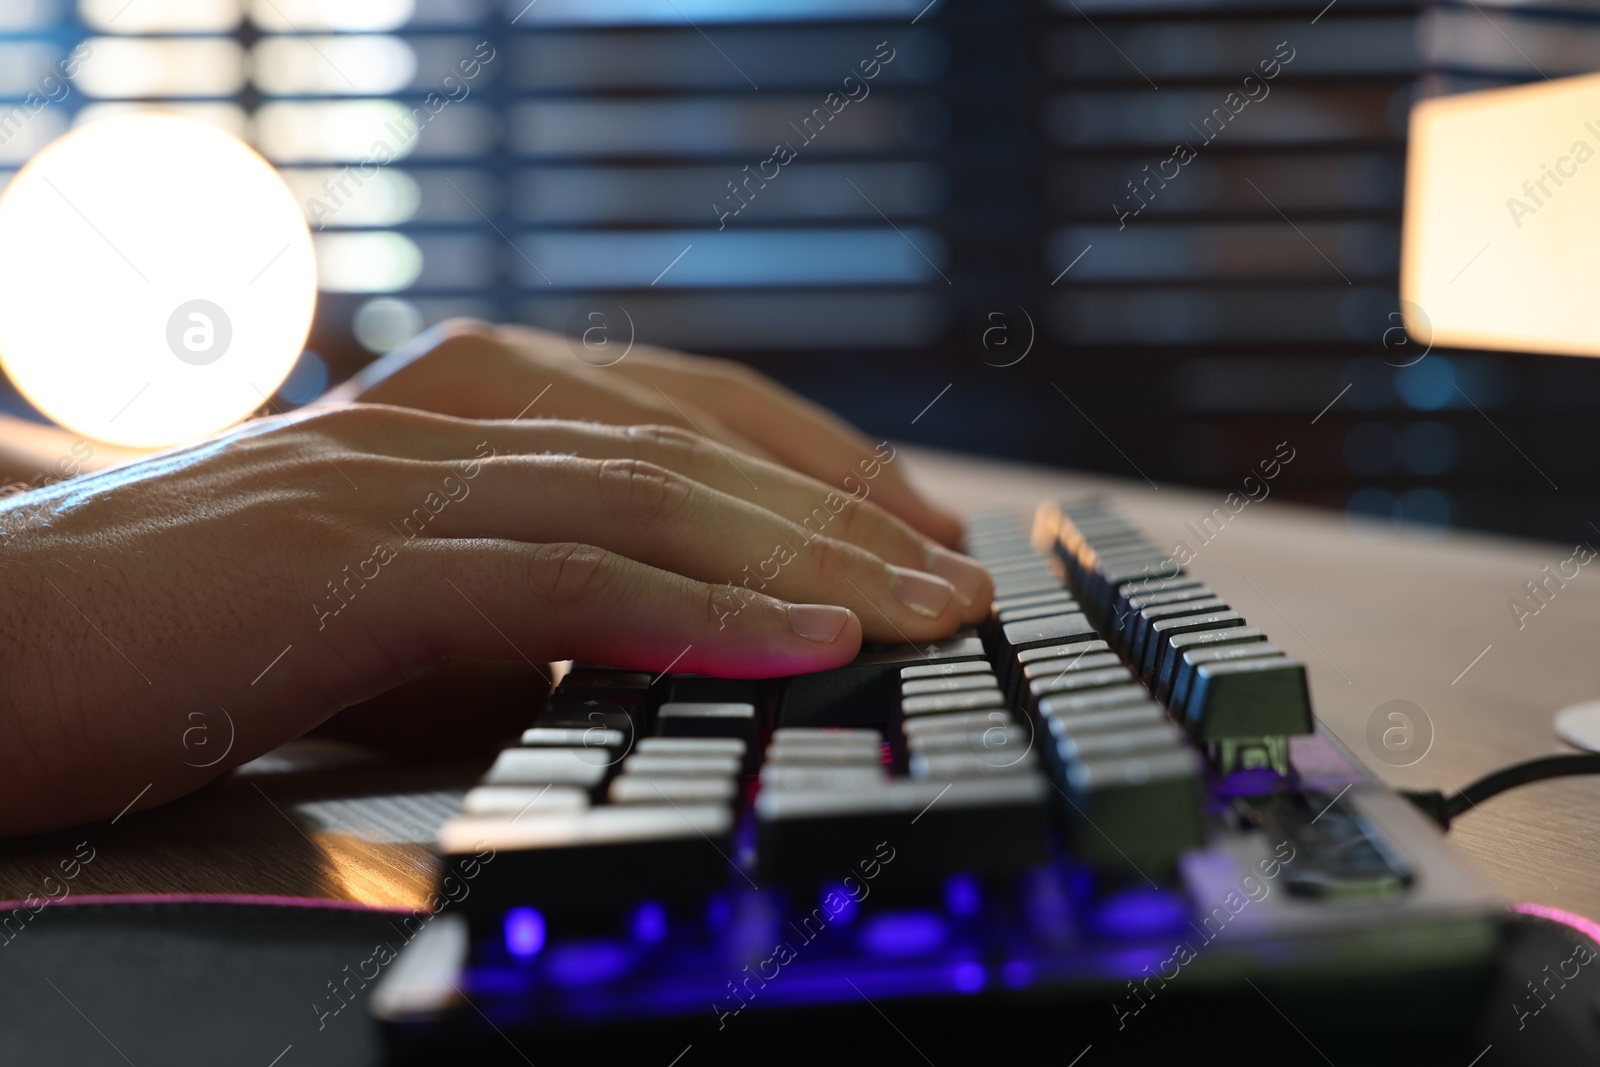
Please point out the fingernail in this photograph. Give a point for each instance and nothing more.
(821, 623)
(969, 578)
(922, 593)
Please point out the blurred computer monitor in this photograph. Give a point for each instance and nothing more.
(1501, 246)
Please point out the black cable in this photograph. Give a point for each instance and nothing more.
(1442, 809)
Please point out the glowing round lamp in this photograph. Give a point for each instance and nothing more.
(156, 280)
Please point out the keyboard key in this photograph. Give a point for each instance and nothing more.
(1034, 633)
(825, 736)
(691, 746)
(960, 722)
(516, 800)
(574, 737)
(1144, 810)
(698, 689)
(681, 766)
(591, 861)
(625, 688)
(1026, 600)
(1164, 630)
(1172, 664)
(1046, 669)
(586, 767)
(1249, 698)
(629, 788)
(989, 739)
(587, 717)
(992, 824)
(939, 703)
(1076, 743)
(863, 692)
(948, 766)
(1181, 662)
(803, 776)
(954, 684)
(1132, 608)
(697, 719)
(1138, 626)
(944, 670)
(1094, 700)
(1107, 717)
(1076, 682)
(1040, 653)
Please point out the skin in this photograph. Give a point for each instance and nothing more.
(140, 603)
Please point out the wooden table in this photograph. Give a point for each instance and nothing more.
(1378, 616)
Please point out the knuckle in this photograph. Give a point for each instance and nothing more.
(830, 558)
(673, 445)
(349, 422)
(461, 342)
(565, 574)
(465, 329)
(642, 491)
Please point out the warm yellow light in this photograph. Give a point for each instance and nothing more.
(157, 280)
(1502, 219)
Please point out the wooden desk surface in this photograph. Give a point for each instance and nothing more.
(1377, 618)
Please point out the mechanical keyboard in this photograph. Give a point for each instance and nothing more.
(1111, 797)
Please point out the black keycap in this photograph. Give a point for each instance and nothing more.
(1016, 585)
(1172, 664)
(1053, 596)
(1066, 650)
(942, 703)
(589, 862)
(604, 686)
(1131, 608)
(944, 670)
(987, 825)
(1096, 700)
(955, 722)
(1101, 588)
(1076, 682)
(1051, 630)
(1144, 810)
(864, 692)
(580, 766)
(1037, 611)
(1088, 661)
(574, 737)
(1077, 743)
(1018, 637)
(698, 689)
(686, 719)
(587, 716)
(1249, 698)
(1138, 627)
(1181, 662)
(956, 683)
(631, 788)
(1164, 630)
(1128, 716)
(1029, 672)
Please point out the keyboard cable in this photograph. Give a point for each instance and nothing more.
(1441, 809)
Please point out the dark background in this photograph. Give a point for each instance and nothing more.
(1251, 302)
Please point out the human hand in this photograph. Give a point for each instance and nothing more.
(479, 371)
(267, 578)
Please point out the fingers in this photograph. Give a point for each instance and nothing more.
(496, 599)
(473, 370)
(666, 520)
(841, 515)
(794, 430)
